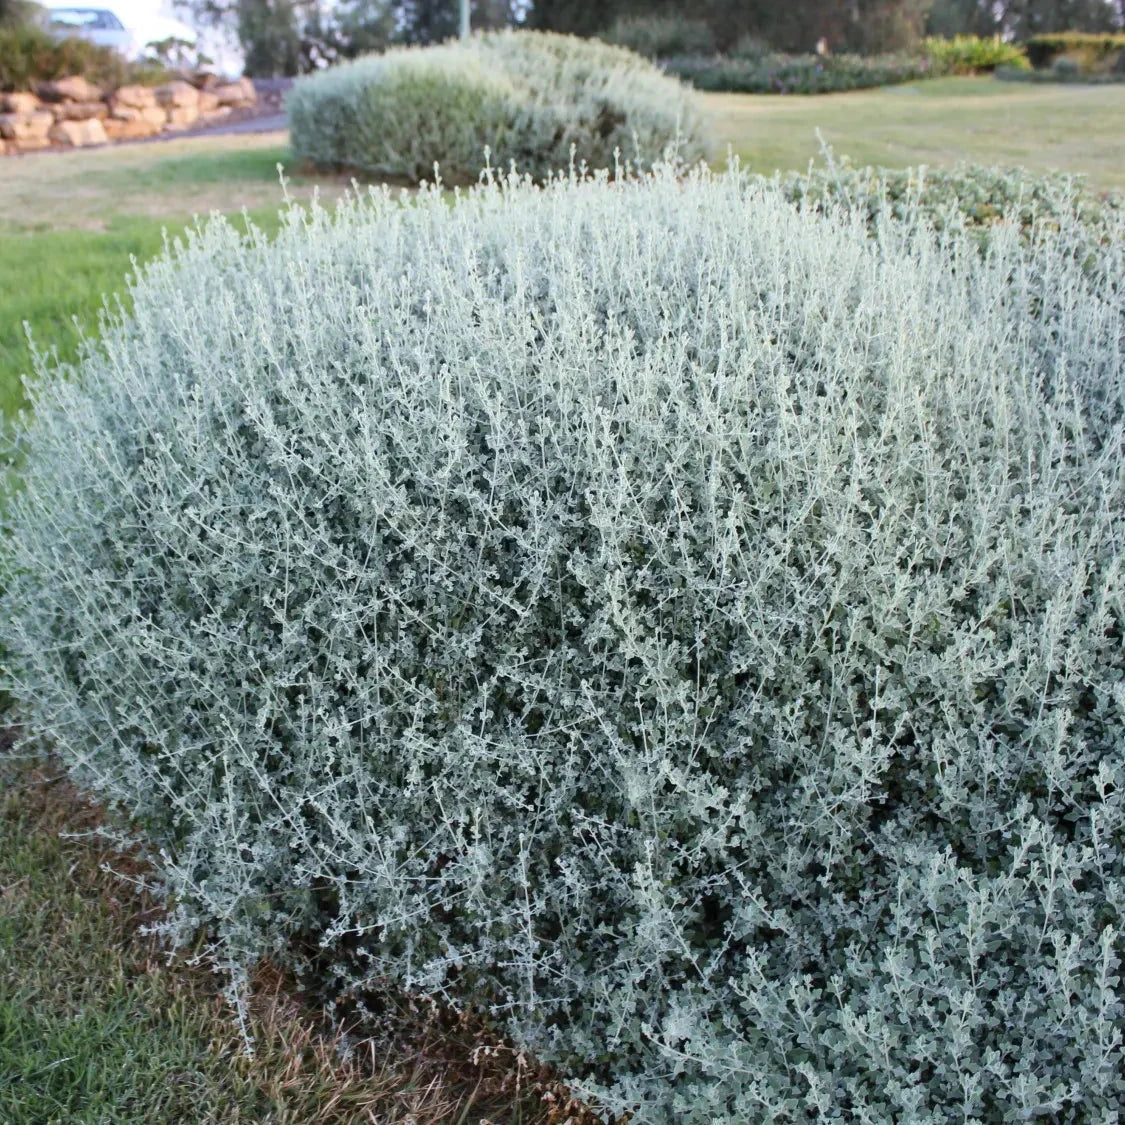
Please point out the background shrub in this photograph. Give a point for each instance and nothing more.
(798, 74)
(18, 13)
(970, 197)
(29, 55)
(684, 624)
(752, 68)
(973, 54)
(660, 37)
(530, 97)
(750, 46)
(1061, 70)
(1091, 54)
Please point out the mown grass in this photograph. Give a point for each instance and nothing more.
(1078, 129)
(95, 1026)
(54, 284)
(170, 181)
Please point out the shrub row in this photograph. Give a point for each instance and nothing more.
(753, 68)
(1093, 54)
(798, 74)
(29, 55)
(533, 98)
(1061, 70)
(683, 624)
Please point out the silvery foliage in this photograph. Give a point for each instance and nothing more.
(970, 194)
(678, 622)
(531, 97)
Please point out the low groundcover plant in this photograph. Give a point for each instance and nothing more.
(680, 623)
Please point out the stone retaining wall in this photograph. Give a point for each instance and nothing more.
(72, 112)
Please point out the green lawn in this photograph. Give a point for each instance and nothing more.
(943, 121)
(94, 1026)
(53, 282)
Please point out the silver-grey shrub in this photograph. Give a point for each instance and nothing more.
(972, 195)
(534, 98)
(678, 623)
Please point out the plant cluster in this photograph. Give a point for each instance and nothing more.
(968, 197)
(29, 55)
(773, 73)
(1090, 53)
(533, 98)
(973, 54)
(683, 625)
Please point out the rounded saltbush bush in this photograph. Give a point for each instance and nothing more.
(533, 98)
(675, 622)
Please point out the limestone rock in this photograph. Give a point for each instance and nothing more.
(151, 114)
(76, 89)
(18, 103)
(178, 95)
(238, 95)
(79, 111)
(208, 101)
(23, 127)
(216, 115)
(79, 133)
(182, 116)
(133, 129)
(136, 97)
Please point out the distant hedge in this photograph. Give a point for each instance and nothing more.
(1062, 70)
(772, 73)
(29, 55)
(752, 68)
(682, 622)
(1091, 53)
(534, 98)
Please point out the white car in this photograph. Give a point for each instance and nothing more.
(115, 29)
